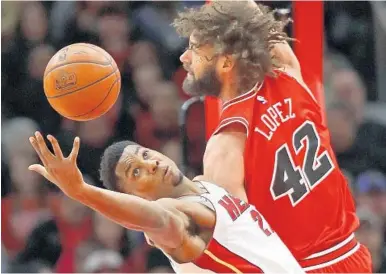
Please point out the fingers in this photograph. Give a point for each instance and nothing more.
(45, 152)
(75, 150)
(148, 240)
(41, 170)
(55, 145)
(34, 144)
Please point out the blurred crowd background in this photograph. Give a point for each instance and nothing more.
(43, 231)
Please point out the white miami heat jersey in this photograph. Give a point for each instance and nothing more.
(242, 242)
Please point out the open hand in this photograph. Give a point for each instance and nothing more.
(59, 170)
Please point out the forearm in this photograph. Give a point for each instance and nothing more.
(129, 211)
(285, 55)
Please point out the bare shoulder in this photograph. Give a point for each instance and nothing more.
(167, 202)
(229, 135)
(224, 161)
(170, 204)
(226, 141)
(233, 129)
(189, 210)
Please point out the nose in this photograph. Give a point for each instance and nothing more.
(185, 57)
(152, 166)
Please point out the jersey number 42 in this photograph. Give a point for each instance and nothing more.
(297, 181)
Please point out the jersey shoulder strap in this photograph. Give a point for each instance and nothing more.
(239, 110)
(198, 199)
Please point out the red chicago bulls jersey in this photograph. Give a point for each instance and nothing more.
(291, 174)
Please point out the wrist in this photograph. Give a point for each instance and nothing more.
(78, 192)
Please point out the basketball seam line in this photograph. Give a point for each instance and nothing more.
(97, 50)
(76, 62)
(89, 85)
(109, 58)
(108, 93)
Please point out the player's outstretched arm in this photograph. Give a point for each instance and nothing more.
(224, 160)
(129, 211)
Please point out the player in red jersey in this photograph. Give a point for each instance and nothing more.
(271, 146)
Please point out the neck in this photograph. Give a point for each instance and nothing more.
(186, 187)
(229, 90)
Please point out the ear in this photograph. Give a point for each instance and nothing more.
(225, 64)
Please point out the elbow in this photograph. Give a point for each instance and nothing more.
(172, 224)
(161, 217)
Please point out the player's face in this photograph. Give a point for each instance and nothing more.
(147, 173)
(200, 62)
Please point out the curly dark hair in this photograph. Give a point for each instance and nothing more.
(109, 161)
(238, 28)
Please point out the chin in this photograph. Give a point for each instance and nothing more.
(208, 84)
(178, 178)
(188, 86)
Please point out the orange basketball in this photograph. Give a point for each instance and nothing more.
(82, 82)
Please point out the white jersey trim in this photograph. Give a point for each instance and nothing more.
(236, 100)
(331, 249)
(231, 120)
(198, 199)
(334, 261)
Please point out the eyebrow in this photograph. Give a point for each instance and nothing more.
(129, 165)
(193, 45)
(127, 170)
(136, 150)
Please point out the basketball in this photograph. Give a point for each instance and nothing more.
(82, 82)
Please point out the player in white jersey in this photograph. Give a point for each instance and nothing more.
(192, 222)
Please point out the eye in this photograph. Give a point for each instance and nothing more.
(145, 155)
(136, 172)
(192, 48)
(189, 47)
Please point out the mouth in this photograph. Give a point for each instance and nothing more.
(187, 70)
(166, 171)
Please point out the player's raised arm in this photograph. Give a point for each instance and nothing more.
(287, 58)
(224, 160)
(283, 52)
(128, 210)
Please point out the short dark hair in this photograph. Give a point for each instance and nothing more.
(109, 161)
(109, 10)
(234, 27)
